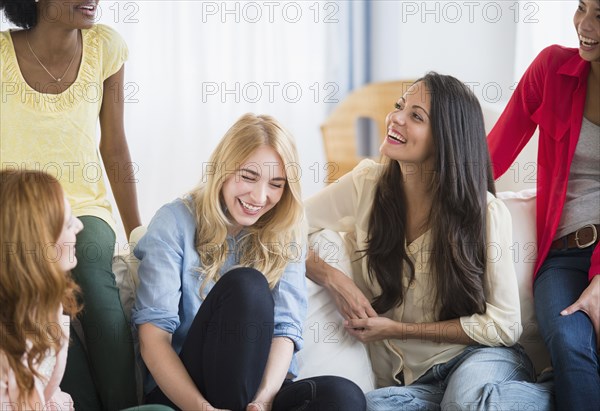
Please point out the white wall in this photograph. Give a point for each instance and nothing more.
(485, 43)
(473, 41)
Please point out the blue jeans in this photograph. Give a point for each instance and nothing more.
(571, 340)
(470, 381)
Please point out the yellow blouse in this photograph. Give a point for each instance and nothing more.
(345, 206)
(57, 133)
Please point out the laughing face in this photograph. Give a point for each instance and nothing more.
(78, 14)
(587, 24)
(409, 138)
(254, 189)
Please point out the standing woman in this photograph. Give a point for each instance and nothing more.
(222, 293)
(436, 296)
(60, 75)
(560, 94)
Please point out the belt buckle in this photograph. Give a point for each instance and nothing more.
(589, 243)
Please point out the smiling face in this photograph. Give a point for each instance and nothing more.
(74, 14)
(409, 138)
(66, 240)
(587, 24)
(255, 188)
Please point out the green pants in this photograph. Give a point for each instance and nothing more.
(100, 372)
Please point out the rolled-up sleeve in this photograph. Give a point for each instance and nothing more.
(501, 324)
(289, 296)
(160, 252)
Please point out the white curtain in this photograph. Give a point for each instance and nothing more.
(195, 67)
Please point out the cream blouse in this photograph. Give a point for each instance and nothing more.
(345, 206)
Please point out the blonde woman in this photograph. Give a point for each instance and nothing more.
(222, 298)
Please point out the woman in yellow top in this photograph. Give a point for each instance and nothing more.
(435, 292)
(60, 74)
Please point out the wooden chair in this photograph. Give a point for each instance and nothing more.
(372, 101)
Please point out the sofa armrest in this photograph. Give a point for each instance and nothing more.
(521, 205)
(328, 348)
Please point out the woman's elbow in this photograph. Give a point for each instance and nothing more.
(150, 338)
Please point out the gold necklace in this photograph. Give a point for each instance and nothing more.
(59, 79)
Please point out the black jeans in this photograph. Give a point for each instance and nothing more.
(226, 350)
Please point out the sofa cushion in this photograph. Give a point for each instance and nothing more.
(521, 205)
(328, 348)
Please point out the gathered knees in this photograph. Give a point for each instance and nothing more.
(478, 379)
(226, 351)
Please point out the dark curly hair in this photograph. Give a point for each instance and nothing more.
(22, 13)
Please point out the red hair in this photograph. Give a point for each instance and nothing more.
(32, 286)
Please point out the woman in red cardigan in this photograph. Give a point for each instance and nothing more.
(560, 93)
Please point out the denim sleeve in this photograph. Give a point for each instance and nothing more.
(160, 252)
(290, 300)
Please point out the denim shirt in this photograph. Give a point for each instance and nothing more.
(168, 294)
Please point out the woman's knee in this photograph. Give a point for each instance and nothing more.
(244, 282)
(485, 367)
(571, 335)
(323, 393)
(340, 393)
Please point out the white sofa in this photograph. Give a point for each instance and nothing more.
(329, 349)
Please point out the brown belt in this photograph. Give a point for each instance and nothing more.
(582, 238)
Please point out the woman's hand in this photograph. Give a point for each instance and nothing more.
(348, 298)
(350, 301)
(259, 406)
(167, 369)
(589, 303)
(372, 329)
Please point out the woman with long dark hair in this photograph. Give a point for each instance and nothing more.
(435, 293)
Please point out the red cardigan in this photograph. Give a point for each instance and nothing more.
(550, 95)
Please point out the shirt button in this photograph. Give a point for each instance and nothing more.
(412, 284)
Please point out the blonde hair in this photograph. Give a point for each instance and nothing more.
(32, 287)
(275, 239)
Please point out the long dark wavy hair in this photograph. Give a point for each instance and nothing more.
(22, 13)
(457, 218)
